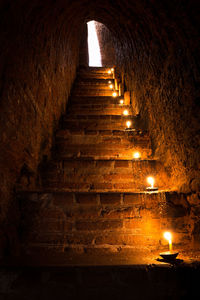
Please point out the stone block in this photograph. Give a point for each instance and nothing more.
(110, 198)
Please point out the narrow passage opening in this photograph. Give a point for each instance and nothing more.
(93, 46)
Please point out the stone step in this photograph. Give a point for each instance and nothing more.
(93, 82)
(91, 92)
(100, 152)
(96, 73)
(99, 277)
(101, 221)
(112, 109)
(101, 118)
(94, 100)
(137, 134)
(98, 122)
(103, 141)
(104, 171)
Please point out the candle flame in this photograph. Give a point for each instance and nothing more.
(128, 124)
(112, 69)
(125, 112)
(109, 72)
(136, 155)
(111, 86)
(168, 237)
(114, 94)
(121, 101)
(151, 181)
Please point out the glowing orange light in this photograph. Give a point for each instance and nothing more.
(168, 237)
(125, 112)
(109, 72)
(128, 124)
(136, 155)
(112, 69)
(121, 101)
(151, 181)
(114, 94)
(111, 86)
(109, 81)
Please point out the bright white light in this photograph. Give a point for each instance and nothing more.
(151, 181)
(121, 101)
(128, 124)
(125, 112)
(114, 94)
(93, 46)
(111, 86)
(168, 236)
(136, 155)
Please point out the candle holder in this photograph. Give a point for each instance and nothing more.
(169, 255)
(151, 188)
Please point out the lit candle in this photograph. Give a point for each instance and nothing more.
(128, 124)
(121, 101)
(125, 112)
(109, 81)
(168, 237)
(151, 181)
(109, 72)
(112, 69)
(114, 94)
(110, 86)
(136, 155)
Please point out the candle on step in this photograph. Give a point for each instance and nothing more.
(168, 237)
(109, 81)
(136, 155)
(128, 124)
(121, 101)
(170, 255)
(111, 86)
(114, 94)
(151, 181)
(125, 112)
(109, 71)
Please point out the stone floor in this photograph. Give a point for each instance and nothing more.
(109, 277)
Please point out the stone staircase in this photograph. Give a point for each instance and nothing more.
(93, 199)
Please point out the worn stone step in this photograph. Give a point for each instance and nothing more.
(112, 109)
(137, 134)
(96, 122)
(95, 73)
(91, 92)
(101, 220)
(100, 172)
(94, 100)
(106, 142)
(100, 118)
(89, 151)
(129, 276)
(93, 82)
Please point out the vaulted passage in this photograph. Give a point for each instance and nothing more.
(77, 144)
